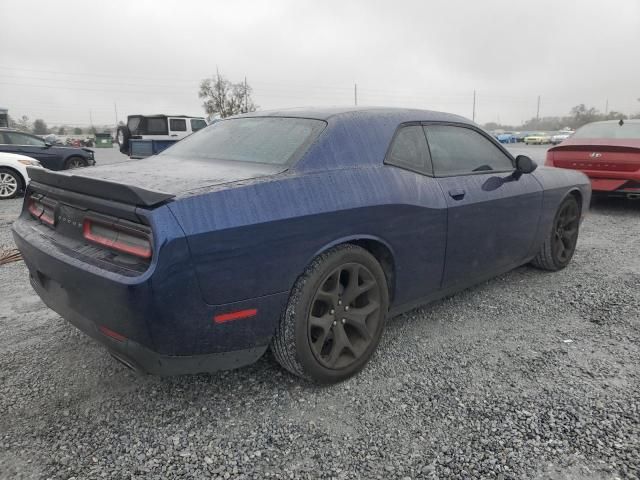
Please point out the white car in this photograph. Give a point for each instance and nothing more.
(13, 173)
(560, 136)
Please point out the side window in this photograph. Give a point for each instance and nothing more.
(458, 151)
(156, 126)
(22, 139)
(178, 125)
(409, 150)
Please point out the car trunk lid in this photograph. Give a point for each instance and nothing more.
(153, 180)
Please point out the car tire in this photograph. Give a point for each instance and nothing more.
(122, 137)
(322, 338)
(74, 162)
(11, 183)
(560, 244)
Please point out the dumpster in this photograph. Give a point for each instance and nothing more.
(141, 148)
(104, 140)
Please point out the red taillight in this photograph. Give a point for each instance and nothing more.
(111, 334)
(117, 237)
(228, 317)
(41, 211)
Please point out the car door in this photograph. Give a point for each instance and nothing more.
(32, 146)
(423, 249)
(492, 212)
(6, 145)
(177, 128)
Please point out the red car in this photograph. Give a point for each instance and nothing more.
(607, 152)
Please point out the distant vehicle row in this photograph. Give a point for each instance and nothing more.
(533, 138)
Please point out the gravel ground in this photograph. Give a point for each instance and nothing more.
(530, 375)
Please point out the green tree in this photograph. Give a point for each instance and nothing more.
(40, 127)
(77, 131)
(225, 98)
(62, 130)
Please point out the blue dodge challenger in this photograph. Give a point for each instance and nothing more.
(299, 231)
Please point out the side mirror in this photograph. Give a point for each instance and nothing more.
(47, 145)
(525, 165)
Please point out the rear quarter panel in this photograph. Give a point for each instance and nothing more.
(255, 240)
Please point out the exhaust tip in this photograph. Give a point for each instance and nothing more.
(633, 196)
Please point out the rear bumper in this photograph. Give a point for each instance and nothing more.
(157, 323)
(142, 359)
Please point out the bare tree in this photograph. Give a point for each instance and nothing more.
(225, 98)
(23, 124)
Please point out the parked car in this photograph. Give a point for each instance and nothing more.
(560, 136)
(506, 137)
(519, 136)
(164, 130)
(537, 138)
(50, 156)
(13, 174)
(299, 230)
(607, 152)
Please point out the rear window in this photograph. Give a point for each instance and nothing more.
(273, 140)
(197, 124)
(627, 130)
(156, 126)
(178, 125)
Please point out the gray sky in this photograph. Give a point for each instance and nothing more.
(60, 59)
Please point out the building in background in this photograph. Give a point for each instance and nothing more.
(4, 117)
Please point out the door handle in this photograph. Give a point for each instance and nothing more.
(174, 135)
(457, 193)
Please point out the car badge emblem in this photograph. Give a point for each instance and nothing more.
(595, 155)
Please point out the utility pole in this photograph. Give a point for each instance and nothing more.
(538, 111)
(115, 109)
(473, 117)
(606, 107)
(246, 97)
(91, 118)
(355, 94)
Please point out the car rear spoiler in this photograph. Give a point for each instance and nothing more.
(95, 187)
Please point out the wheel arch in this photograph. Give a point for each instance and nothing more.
(578, 195)
(376, 246)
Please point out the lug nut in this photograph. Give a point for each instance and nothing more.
(339, 302)
(346, 309)
(344, 320)
(332, 311)
(335, 323)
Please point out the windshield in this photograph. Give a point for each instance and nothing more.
(273, 140)
(627, 130)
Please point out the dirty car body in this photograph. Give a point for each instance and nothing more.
(206, 250)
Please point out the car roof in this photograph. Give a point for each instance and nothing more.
(329, 113)
(630, 120)
(163, 115)
(14, 130)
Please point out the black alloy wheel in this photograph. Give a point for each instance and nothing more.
(558, 248)
(344, 314)
(566, 231)
(334, 317)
